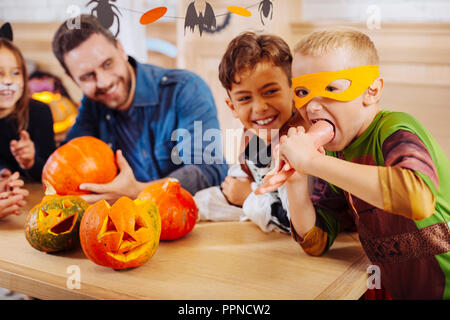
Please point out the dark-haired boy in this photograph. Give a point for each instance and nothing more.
(256, 72)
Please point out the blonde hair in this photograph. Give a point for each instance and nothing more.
(355, 42)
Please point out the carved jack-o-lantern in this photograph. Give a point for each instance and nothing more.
(53, 224)
(121, 236)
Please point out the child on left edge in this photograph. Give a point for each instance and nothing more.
(26, 125)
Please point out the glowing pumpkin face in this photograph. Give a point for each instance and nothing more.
(121, 236)
(53, 224)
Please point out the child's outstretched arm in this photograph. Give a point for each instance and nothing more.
(372, 184)
(360, 180)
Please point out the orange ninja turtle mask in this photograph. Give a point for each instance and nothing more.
(313, 85)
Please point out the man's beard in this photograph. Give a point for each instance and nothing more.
(114, 104)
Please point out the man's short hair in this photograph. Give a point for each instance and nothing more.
(247, 50)
(68, 37)
(355, 42)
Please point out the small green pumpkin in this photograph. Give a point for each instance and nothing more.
(53, 224)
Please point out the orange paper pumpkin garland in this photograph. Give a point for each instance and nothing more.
(124, 235)
(175, 205)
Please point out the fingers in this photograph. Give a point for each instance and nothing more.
(15, 184)
(322, 150)
(226, 185)
(295, 130)
(95, 188)
(19, 191)
(92, 198)
(14, 176)
(24, 142)
(23, 150)
(5, 173)
(11, 205)
(273, 182)
(24, 135)
(301, 129)
(291, 131)
(14, 209)
(122, 163)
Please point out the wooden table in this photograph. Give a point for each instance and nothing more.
(217, 260)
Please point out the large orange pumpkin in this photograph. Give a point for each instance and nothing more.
(175, 205)
(124, 235)
(81, 160)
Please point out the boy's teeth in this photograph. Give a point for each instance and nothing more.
(265, 121)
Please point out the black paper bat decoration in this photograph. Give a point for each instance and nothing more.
(206, 22)
(6, 32)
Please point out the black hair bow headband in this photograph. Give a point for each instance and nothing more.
(6, 32)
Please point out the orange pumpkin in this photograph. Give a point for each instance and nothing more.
(175, 205)
(124, 235)
(81, 160)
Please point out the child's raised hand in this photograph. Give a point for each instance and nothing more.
(23, 150)
(236, 190)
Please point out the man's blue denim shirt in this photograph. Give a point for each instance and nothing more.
(165, 100)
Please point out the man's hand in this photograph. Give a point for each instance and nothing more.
(125, 184)
(236, 190)
(23, 150)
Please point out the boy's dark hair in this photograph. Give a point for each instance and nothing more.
(247, 50)
(69, 36)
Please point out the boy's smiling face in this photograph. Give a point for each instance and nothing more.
(262, 99)
(349, 119)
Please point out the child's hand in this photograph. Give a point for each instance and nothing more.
(297, 177)
(4, 173)
(10, 182)
(23, 150)
(298, 149)
(236, 190)
(12, 201)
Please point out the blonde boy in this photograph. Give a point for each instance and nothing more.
(382, 167)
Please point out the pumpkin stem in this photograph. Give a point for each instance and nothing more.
(171, 185)
(49, 190)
